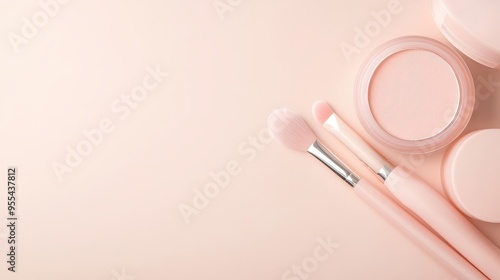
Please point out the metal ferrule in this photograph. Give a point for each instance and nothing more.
(385, 171)
(320, 152)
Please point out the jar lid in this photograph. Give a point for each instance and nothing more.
(471, 177)
(472, 27)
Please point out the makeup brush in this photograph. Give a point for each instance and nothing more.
(290, 129)
(418, 196)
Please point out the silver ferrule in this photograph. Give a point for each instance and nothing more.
(385, 171)
(320, 152)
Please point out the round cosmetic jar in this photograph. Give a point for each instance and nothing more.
(414, 94)
(470, 175)
(473, 27)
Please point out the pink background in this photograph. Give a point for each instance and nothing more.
(116, 215)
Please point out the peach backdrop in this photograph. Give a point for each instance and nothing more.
(124, 209)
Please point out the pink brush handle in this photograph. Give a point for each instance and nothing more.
(416, 231)
(438, 213)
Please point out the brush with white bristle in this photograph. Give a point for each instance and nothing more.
(325, 115)
(290, 129)
(418, 196)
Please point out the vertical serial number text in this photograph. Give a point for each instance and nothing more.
(11, 218)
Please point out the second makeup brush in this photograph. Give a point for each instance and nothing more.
(294, 133)
(418, 196)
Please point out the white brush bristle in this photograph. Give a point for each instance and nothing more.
(321, 111)
(290, 129)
